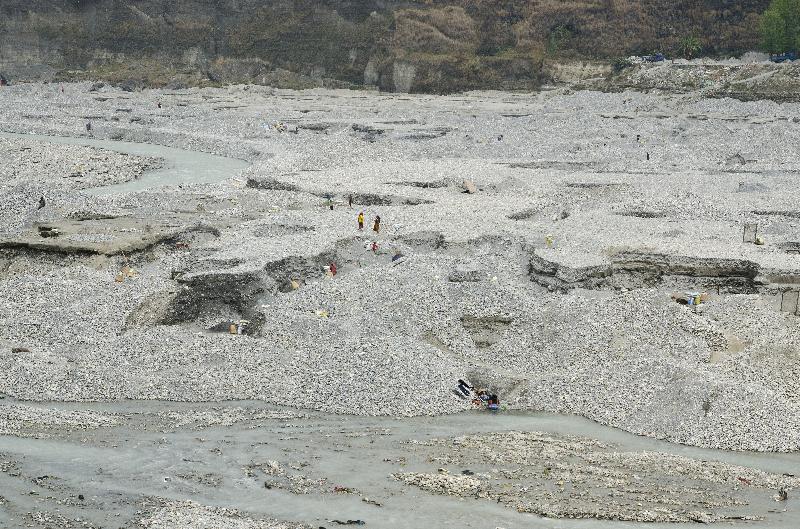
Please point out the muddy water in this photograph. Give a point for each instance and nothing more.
(146, 455)
(180, 166)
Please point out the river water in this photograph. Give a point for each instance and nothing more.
(180, 166)
(145, 456)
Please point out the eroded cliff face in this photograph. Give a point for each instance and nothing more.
(427, 46)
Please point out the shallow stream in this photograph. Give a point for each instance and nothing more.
(114, 468)
(180, 166)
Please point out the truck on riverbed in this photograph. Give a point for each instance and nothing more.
(783, 57)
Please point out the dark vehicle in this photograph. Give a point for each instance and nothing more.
(783, 57)
(658, 57)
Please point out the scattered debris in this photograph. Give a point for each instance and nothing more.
(48, 231)
(750, 233)
(690, 298)
(736, 159)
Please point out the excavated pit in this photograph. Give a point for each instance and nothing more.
(551, 164)
(280, 230)
(424, 240)
(435, 184)
(642, 214)
(426, 134)
(525, 214)
(270, 184)
(374, 199)
(767, 213)
(485, 331)
(631, 270)
(208, 288)
(218, 292)
(595, 186)
(792, 247)
(109, 237)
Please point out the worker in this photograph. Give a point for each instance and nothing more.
(464, 387)
(89, 126)
(42, 203)
(361, 221)
(333, 269)
(377, 226)
(350, 200)
(375, 247)
(481, 396)
(159, 104)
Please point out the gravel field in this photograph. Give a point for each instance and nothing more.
(550, 284)
(31, 170)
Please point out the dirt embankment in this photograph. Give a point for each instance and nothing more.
(435, 46)
(734, 79)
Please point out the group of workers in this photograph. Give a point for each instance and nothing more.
(376, 225)
(331, 269)
(480, 396)
(361, 219)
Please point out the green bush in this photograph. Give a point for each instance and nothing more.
(780, 26)
(689, 46)
(556, 39)
(620, 64)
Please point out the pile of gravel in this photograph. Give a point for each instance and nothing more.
(178, 515)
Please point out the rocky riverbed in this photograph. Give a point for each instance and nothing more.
(574, 477)
(67, 167)
(34, 169)
(541, 239)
